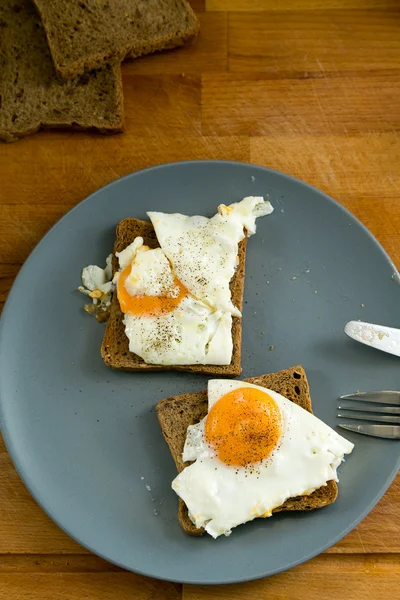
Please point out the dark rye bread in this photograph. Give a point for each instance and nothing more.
(115, 346)
(32, 95)
(85, 34)
(177, 413)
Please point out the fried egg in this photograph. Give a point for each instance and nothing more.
(176, 299)
(253, 451)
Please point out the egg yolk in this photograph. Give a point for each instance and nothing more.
(243, 426)
(147, 306)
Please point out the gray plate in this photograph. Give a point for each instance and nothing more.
(86, 440)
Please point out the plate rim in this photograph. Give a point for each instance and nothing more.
(30, 486)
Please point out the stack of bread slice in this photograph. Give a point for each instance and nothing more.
(60, 62)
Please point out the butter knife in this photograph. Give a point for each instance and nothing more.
(376, 336)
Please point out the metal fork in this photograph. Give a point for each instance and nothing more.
(381, 407)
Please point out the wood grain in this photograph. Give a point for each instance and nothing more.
(314, 44)
(163, 104)
(307, 87)
(304, 5)
(254, 104)
(77, 164)
(8, 273)
(351, 578)
(75, 577)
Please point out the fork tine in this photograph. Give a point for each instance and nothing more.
(382, 397)
(383, 431)
(366, 417)
(392, 410)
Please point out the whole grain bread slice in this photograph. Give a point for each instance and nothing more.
(177, 413)
(85, 34)
(32, 95)
(115, 347)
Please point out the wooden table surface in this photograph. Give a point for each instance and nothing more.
(311, 89)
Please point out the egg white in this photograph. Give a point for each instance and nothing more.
(192, 333)
(151, 274)
(203, 252)
(220, 497)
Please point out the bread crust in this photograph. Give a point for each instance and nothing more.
(125, 29)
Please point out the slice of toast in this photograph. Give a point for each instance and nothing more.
(177, 413)
(32, 95)
(115, 346)
(87, 34)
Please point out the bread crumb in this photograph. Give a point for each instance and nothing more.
(362, 305)
(272, 348)
(97, 284)
(103, 315)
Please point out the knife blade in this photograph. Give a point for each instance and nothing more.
(381, 397)
(380, 337)
(391, 432)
